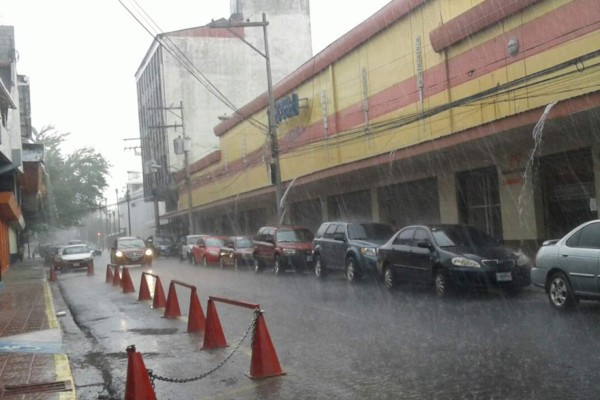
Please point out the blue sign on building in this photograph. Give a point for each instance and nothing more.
(286, 107)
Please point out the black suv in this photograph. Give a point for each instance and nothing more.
(283, 247)
(348, 246)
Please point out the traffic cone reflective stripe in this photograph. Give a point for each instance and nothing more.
(159, 295)
(109, 274)
(172, 308)
(196, 320)
(126, 282)
(213, 332)
(144, 289)
(137, 385)
(264, 362)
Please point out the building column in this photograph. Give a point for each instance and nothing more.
(595, 202)
(520, 204)
(375, 214)
(447, 194)
(324, 210)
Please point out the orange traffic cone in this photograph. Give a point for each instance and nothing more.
(53, 277)
(144, 289)
(172, 308)
(109, 274)
(117, 276)
(159, 295)
(90, 268)
(137, 385)
(127, 282)
(213, 334)
(196, 320)
(264, 362)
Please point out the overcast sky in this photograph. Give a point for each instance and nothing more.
(81, 57)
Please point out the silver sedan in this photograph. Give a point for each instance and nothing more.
(569, 268)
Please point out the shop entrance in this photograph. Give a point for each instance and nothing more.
(567, 181)
(479, 200)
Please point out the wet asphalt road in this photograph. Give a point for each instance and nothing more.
(333, 340)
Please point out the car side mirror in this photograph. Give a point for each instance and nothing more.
(424, 244)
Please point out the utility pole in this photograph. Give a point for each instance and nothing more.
(118, 213)
(272, 129)
(186, 148)
(128, 199)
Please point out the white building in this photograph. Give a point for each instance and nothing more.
(191, 77)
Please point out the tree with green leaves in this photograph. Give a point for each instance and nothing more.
(76, 181)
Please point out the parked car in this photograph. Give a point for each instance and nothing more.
(451, 257)
(207, 250)
(283, 247)
(128, 250)
(162, 246)
(237, 251)
(348, 246)
(569, 268)
(187, 243)
(48, 252)
(73, 257)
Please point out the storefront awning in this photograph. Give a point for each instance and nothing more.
(10, 211)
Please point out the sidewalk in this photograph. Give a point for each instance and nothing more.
(33, 363)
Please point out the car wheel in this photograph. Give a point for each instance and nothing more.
(389, 279)
(204, 261)
(221, 263)
(440, 284)
(277, 266)
(352, 272)
(560, 294)
(194, 262)
(319, 267)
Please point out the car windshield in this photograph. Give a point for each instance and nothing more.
(294, 235)
(369, 231)
(459, 236)
(214, 242)
(132, 243)
(76, 250)
(243, 243)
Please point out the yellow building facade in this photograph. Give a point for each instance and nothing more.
(479, 112)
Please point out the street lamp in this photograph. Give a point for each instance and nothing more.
(275, 170)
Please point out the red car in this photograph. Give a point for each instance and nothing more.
(207, 250)
(283, 247)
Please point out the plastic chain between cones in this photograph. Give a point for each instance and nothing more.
(172, 308)
(196, 319)
(159, 295)
(109, 274)
(213, 332)
(117, 276)
(126, 282)
(90, 268)
(137, 385)
(144, 289)
(264, 362)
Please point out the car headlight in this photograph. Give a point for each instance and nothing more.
(368, 251)
(289, 252)
(119, 253)
(465, 262)
(148, 252)
(523, 260)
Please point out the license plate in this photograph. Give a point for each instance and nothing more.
(503, 276)
(76, 264)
